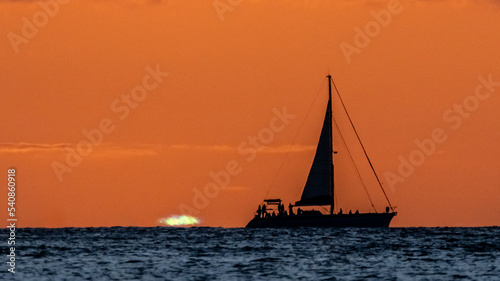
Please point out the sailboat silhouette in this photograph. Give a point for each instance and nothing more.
(319, 191)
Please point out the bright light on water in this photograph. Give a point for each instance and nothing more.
(179, 220)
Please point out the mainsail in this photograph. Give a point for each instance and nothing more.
(319, 186)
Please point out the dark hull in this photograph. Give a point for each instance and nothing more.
(343, 220)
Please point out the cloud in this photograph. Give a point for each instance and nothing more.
(220, 148)
(103, 150)
(288, 148)
(110, 149)
(31, 147)
(113, 151)
(229, 148)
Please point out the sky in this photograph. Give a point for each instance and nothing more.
(124, 112)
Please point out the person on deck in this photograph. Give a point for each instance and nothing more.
(290, 209)
(259, 211)
(340, 212)
(264, 211)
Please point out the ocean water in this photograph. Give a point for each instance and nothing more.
(163, 253)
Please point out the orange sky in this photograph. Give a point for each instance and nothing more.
(224, 79)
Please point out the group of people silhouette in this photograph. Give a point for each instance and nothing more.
(264, 212)
(350, 212)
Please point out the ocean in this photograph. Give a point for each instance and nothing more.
(203, 253)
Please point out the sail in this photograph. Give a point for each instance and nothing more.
(318, 188)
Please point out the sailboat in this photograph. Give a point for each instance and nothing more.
(319, 191)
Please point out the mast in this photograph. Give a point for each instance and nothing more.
(331, 140)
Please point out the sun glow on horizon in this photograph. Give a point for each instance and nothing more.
(179, 220)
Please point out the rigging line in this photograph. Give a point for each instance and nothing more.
(362, 146)
(293, 140)
(354, 164)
